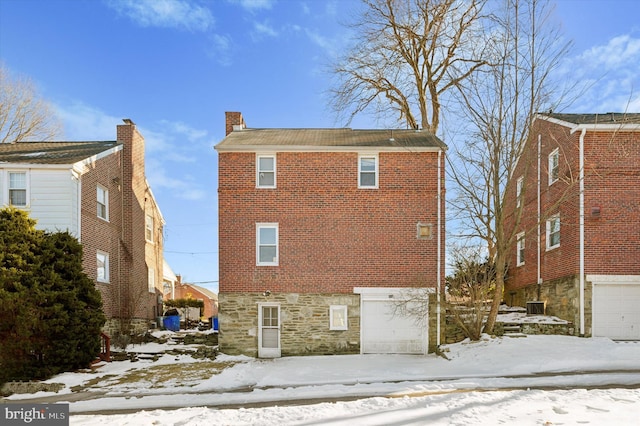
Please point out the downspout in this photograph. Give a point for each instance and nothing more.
(539, 217)
(439, 249)
(582, 134)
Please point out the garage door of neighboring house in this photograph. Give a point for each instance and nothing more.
(385, 331)
(616, 308)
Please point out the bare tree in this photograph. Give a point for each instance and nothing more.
(406, 55)
(500, 104)
(24, 115)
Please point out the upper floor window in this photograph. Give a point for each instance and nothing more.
(553, 232)
(554, 166)
(103, 202)
(149, 228)
(267, 244)
(18, 189)
(152, 280)
(368, 171)
(102, 267)
(266, 171)
(520, 249)
(519, 186)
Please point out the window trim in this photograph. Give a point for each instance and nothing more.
(553, 219)
(260, 226)
(519, 188)
(554, 169)
(376, 171)
(151, 280)
(106, 202)
(148, 228)
(343, 313)
(258, 170)
(25, 189)
(106, 278)
(520, 249)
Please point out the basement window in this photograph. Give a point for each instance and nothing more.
(338, 319)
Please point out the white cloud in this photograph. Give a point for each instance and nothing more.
(220, 49)
(165, 13)
(83, 122)
(253, 5)
(606, 76)
(264, 29)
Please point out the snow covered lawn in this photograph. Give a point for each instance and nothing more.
(533, 380)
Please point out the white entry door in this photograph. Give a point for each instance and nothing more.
(269, 331)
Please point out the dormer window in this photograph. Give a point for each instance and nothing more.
(266, 171)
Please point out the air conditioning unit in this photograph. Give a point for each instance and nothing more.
(535, 308)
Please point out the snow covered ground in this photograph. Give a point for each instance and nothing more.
(533, 380)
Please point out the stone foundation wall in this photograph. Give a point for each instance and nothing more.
(304, 323)
(136, 326)
(561, 297)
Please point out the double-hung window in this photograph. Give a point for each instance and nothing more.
(519, 186)
(18, 189)
(267, 244)
(553, 232)
(520, 249)
(554, 166)
(102, 196)
(368, 171)
(102, 267)
(266, 171)
(149, 228)
(151, 280)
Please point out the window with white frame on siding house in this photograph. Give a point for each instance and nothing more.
(18, 189)
(266, 171)
(267, 244)
(368, 171)
(102, 196)
(553, 232)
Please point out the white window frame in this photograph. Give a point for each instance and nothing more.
(338, 319)
(99, 203)
(520, 249)
(259, 244)
(554, 166)
(375, 171)
(151, 280)
(519, 187)
(105, 261)
(148, 225)
(555, 219)
(25, 189)
(259, 171)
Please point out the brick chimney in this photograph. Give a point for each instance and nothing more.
(233, 121)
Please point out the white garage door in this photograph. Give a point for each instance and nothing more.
(384, 332)
(616, 311)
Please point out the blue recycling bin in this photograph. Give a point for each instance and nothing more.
(215, 323)
(172, 322)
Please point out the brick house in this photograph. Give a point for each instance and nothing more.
(97, 191)
(577, 248)
(180, 290)
(322, 234)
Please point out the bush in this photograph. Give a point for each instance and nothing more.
(50, 311)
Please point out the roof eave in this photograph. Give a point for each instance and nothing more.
(308, 148)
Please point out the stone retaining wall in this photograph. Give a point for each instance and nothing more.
(561, 297)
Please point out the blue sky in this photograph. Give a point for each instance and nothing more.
(175, 66)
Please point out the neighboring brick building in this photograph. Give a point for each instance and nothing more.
(578, 244)
(98, 192)
(180, 290)
(321, 233)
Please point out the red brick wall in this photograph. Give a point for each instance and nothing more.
(611, 182)
(98, 234)
(332, 236)
(186, 291)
